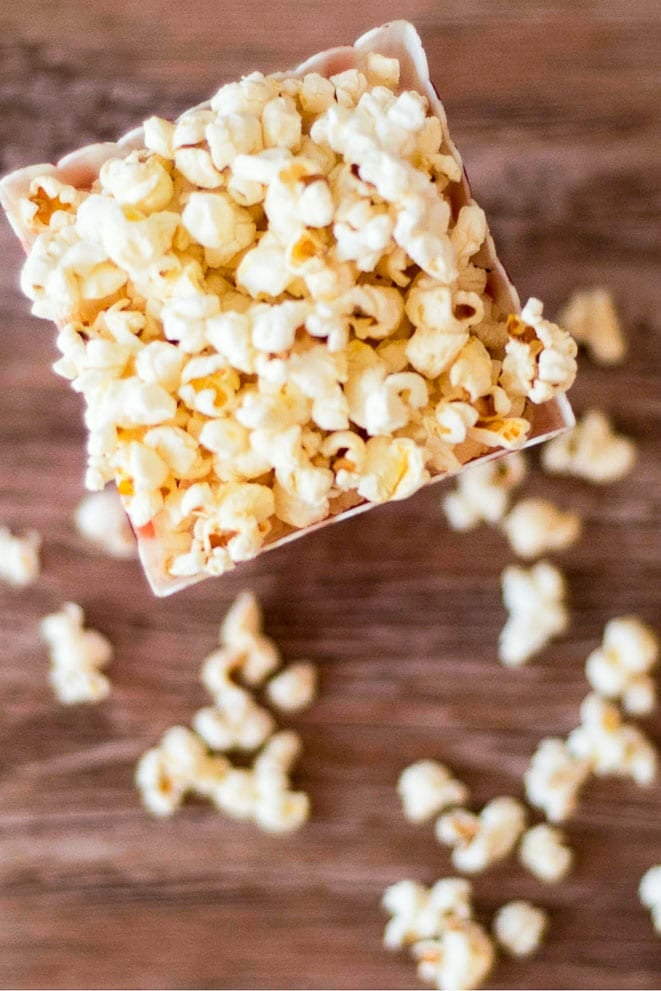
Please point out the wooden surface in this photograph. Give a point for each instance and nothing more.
(555, 107)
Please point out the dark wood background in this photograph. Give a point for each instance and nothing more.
(555, 107)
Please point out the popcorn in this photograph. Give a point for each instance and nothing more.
(143, 184)
(461, 959)
(535, 527)
(534, 598)
(427, 788)
(620, 668)
(101, 519)
(519, 928)
(19, 557)
(294, 688)
(591, 318)
(235, 722)
(422, 913)
(591, 450)
(77, 656)
(540, 358)
(483, 491)
(215, 221)
(393, 469)
(177, 766)
(479, 841)
(553, 779)
(543, 851)
(649, 892)
(611, 746)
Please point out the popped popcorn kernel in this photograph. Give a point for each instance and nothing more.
(478, 841)
(649, 892)
(101, 519)
(621, 667)
(427, 788)
(179, 765)
(460, 960)
(20, 563)
(591, 318)
(554, 778)
(609, 745)
(534, 598)
(519, 928)
(544, 852)
(483, 492)
(419, 913)
(294, 688)
(535, 527)
(77, 656)
(540, 357)
(592, 450)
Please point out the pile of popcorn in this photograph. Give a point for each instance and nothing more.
(195, 762)
(274, 311)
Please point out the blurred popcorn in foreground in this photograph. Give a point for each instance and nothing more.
(77, 656)
(294, 688)
(621, 667)
(519, 928)
(427, 788)
(544, 852)
(483, 491)
(478, 841)
(649, 892)
(536, 526)
(179, 765)
(591, 318)
(554, 778)
(459, 960)
(591, 450)
(534, 598)
(610, 745)
(19, 557)
(101, 519)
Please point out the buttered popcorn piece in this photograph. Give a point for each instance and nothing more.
(591, 318)
(20, 563)
(101, 519)
(544, 852)
(77, 656)
(611, 746)
(535, 527)
(478, 841)
(483, 492)
(554, 777)
(591, 450)
(519, 928)
(649, 892)
(427, 788)
(534, 598)
(459, 960)
(294, 688)
(540, 357)
(621, 667)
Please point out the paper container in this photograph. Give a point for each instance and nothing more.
(397, 39)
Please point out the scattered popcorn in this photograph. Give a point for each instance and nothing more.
(427, 788)
(591, 450)
(177, 766)
(423, 913)
(611, 746)
(19, 557)
(483, 492)
(460, 959)
(294, 688)
(544, 852)
(534, 598)
(478, 841)
(554, 778)
(535, 527)
(649, 892)
(621, 667)
(77, 656)
(519, 928)
(101, 519)
(540, 358)
(591, 318)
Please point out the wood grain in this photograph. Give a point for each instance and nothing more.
(555, 108)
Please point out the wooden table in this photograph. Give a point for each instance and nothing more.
(556, 110)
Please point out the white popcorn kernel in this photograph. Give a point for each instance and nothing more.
(591, 318)
(282, 812)
(483, 492)
(236, 722)
(263, 270)
(232, 135)
(349, 87)
(215, 221)
(249, 96)
(196, 165)
(592, 450)
(649, 892)
(382, 71)
(281, 124)
(536, 526)
(177, 766)
(159, 136)
(519, 928)
(454, 419)
(471, 369)
(101, 519)
(20, 564)
(294, 688)
(351, 450)
(394, 469)
(439, 336)
(479, 841)
(77, 656)
(459, 961)
(540, 357)
(544, 852)
(554, 778)
(422, 913)
(48, 201)
(144, 184)
(185, 320)
(534, 598)
(316, 93)
(208, 385)
(469, 233)
(274, 327)
(427, 788)
(610, 745)
(620, 668)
